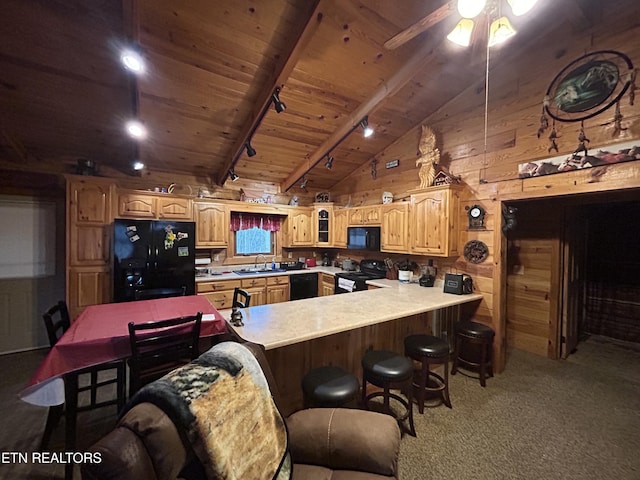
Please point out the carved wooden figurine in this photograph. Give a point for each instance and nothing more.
(429, 157)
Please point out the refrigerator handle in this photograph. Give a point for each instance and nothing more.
(148, 257)
(155, 260)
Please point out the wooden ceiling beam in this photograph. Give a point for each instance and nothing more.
(282, 70)
(420, 26)
(387, 89)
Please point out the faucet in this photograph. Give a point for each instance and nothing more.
(264, 266)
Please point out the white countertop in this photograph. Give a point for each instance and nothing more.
(287, 323)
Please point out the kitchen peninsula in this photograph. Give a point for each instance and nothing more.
(338, 329)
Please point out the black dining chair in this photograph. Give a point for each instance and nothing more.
(100, 377)
(159, 347)
(241, 298)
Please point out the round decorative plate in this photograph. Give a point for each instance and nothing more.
(476, 251)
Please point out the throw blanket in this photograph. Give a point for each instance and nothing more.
(222, 403)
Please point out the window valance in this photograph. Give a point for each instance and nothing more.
(245, 221)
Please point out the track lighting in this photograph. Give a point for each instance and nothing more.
(136, 130)
(367, 131)
(303, 185)
(233, 175)
(329, 163)
(138, 166)
(250, 150)
(132, 61)
(277, 103)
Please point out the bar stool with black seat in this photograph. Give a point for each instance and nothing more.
(329, 386)
(389, 370)
(429, 350)
(74, 388)
(474, 349)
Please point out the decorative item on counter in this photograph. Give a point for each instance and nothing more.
(387, 197)
(428, 277)
(236, 317)
(405, 270)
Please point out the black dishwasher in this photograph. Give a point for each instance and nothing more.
(303, 285)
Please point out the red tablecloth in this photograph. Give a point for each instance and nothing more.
(100, 334)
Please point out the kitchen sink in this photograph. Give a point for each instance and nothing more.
(257, 271)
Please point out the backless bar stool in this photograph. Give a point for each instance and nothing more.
(474, 349)
(386, 369)
(329, 386)
(429, 350)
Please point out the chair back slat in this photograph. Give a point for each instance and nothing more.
(55, 328)
(159, 347)
(241, 298)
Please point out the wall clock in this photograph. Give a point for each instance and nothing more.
(475, 251)
(476, 217)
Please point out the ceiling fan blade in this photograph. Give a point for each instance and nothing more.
(420, 26)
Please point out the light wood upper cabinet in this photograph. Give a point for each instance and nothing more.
(323, 225)
(143, 205)
(300, 228)
(370, 215)
(434, 221)
(340, 224)
(212, 225)
(89, 201)
(395, 228)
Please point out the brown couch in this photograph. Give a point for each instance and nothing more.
(325, 444)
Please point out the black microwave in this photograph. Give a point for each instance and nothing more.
(363, 238)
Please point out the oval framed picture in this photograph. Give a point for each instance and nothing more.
(588, 86)
(475, 251)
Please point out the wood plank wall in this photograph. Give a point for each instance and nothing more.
(516, 90)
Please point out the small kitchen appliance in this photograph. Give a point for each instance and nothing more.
(457, 283)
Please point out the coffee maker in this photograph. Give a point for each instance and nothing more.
(428, 277)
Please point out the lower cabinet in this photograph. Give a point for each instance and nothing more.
(278, 289)
(256, 287)
(327, 284)
(87, 286)
(219, 294)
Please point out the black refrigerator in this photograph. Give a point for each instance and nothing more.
(153, 259)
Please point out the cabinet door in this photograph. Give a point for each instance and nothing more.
(277, 293)
(258, 296)
(322, 220)
(89, 202)
(212, 225)
(136, 205)
(87, 286)
(434, 222)
(371, 215)
(221, 300)
(174, 208)
(89, 245)
(395, 228)
(340, 223)
(301, 227)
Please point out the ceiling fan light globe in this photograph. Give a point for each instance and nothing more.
(500, 31)
(520, 7)
(471, 8)
(461, 34)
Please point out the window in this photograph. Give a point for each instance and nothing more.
(255, 233)
(253, 241)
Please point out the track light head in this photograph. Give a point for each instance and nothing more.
(329, 163)
(367, 130)
(250, 150)
(303, 185)
(277, 103)
(233, 175)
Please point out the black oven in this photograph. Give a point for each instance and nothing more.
(346, 282)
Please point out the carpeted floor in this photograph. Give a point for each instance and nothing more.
(540, 420)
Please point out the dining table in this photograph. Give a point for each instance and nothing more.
(100, 334)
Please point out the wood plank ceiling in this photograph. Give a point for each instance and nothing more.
(212, 67)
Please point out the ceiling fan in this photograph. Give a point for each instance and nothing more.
(466, 31)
